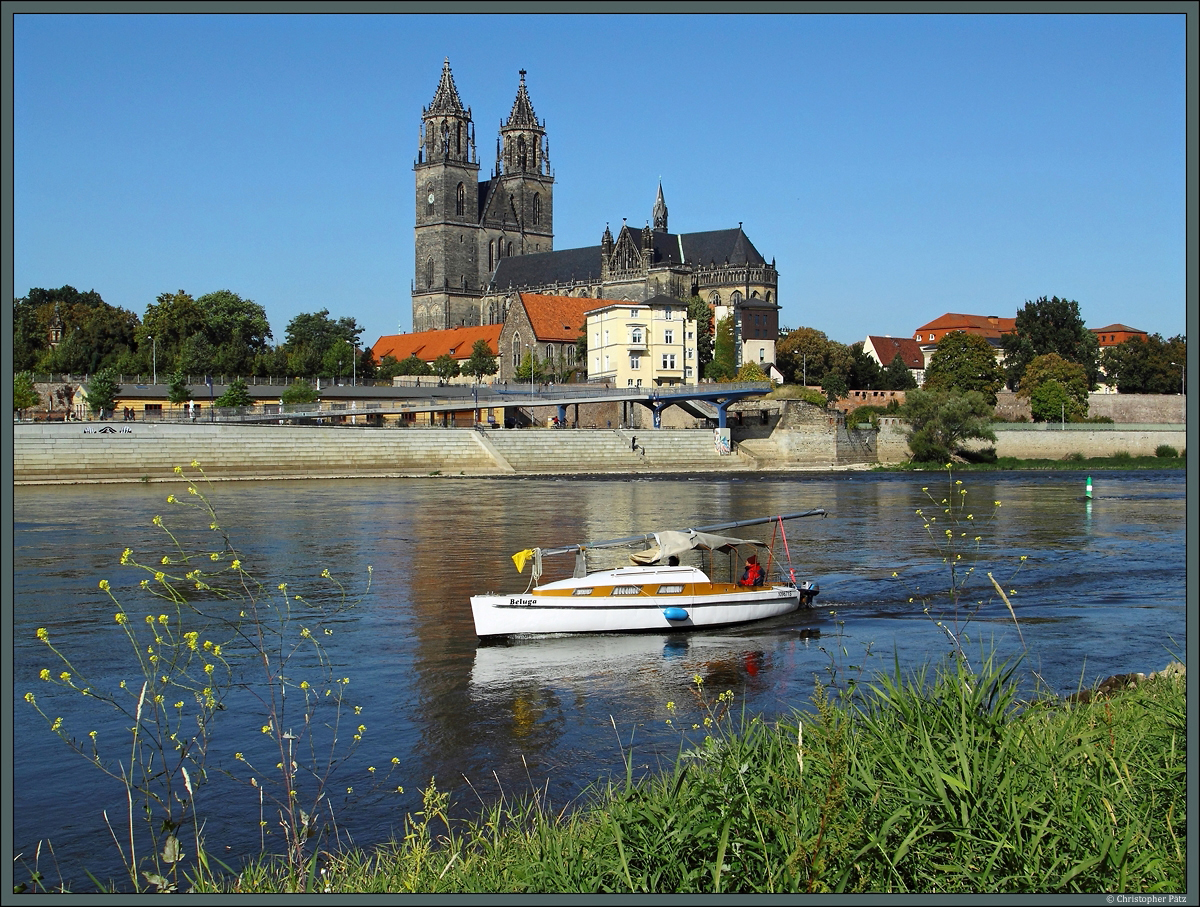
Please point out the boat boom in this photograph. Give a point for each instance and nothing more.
(716, 527)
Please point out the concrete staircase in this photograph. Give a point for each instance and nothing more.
(607, 451)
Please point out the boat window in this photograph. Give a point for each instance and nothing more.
(673, 589)
(583, 591)
(627, 590)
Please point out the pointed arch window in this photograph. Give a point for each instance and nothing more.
(714, 298)
(429, 272)
(460, 200)
(491, 254)
(516, 351)
(522, 157)
(537, 210)
(735, 298)
(508, 252)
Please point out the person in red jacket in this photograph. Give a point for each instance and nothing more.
(753, 575)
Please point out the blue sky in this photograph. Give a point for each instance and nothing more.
(895, 167)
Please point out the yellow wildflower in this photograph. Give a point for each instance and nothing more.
(178, 470)
(42, 634)
(65, 675)
(44, 674)
(195, 464)
(157, 521)
(159, 576)
(236, 565)
(125, 555)
(56, 725)
(170, 499)
(29, 697)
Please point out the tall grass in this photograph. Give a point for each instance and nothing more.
(941, 781)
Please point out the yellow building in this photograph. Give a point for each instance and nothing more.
(635, 344)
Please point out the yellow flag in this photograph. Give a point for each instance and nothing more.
(521, 557)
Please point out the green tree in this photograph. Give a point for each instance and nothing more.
(723, 366)
(806, 354)
(1150, 366)
(338, 360)
(833, 385)
(236, 394)
(102, 392)
(531, 369)
(299, 391)
(965, 362)
(310, 336)
(1070, 381)
(897, 376)
(368, 368)
(1050, 326)
(414, 365)
(700, 312)
(446, 367)
(751, 371)
(237, 329)
(178, 391)
(96, 334)
(483, 361)
(941, 420)
(865, 373)
(389, 368)
(25, 395)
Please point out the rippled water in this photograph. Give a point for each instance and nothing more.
(1102, 591)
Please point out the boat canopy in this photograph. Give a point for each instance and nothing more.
(675, 542)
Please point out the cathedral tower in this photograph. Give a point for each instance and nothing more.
(518, 214)
(447, 279)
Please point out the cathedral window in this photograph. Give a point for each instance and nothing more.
(735, 298)
(491, 254)
(516, 351)
(508, 252)
(521, 153)
(549, 353)
(537, 210)
(429, 273)
(460, 200)
(714, 299)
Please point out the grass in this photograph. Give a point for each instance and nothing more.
(1072, 461)
(941, 781)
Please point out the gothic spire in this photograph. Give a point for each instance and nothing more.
(660, 211)
(445, 99)
(522, 115)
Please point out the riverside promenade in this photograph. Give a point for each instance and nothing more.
(107, 452)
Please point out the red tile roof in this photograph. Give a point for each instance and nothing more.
(558, 318)
(428, 345)
(886, 349)
(988, 326)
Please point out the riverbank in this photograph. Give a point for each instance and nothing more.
(120, 452)
(930, 784)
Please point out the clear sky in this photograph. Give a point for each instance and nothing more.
(895, 167)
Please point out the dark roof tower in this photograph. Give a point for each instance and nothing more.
(660, 211)
(447, 133)
(523, 139)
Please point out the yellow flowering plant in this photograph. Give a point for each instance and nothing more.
(956, 532)
(193, 650)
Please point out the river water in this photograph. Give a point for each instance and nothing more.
(1101, 591)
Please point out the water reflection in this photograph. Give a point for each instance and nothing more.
(1102, 592)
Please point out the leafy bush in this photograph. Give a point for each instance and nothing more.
(1165, 450)
(1122, 455)
(1075, 457)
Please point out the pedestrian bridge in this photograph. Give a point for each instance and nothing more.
(705, 401)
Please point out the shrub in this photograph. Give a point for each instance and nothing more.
(1165, 450)
(1122, 455)
(1075, 457)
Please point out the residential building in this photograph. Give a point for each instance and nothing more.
(636, 344)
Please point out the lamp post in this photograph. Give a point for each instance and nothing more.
(353, 363)
(154, 359)
(1182, 390)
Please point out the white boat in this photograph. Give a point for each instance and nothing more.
(656, 592)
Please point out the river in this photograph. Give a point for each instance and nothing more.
(1101, 590)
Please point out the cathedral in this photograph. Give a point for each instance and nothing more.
(479, 242)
